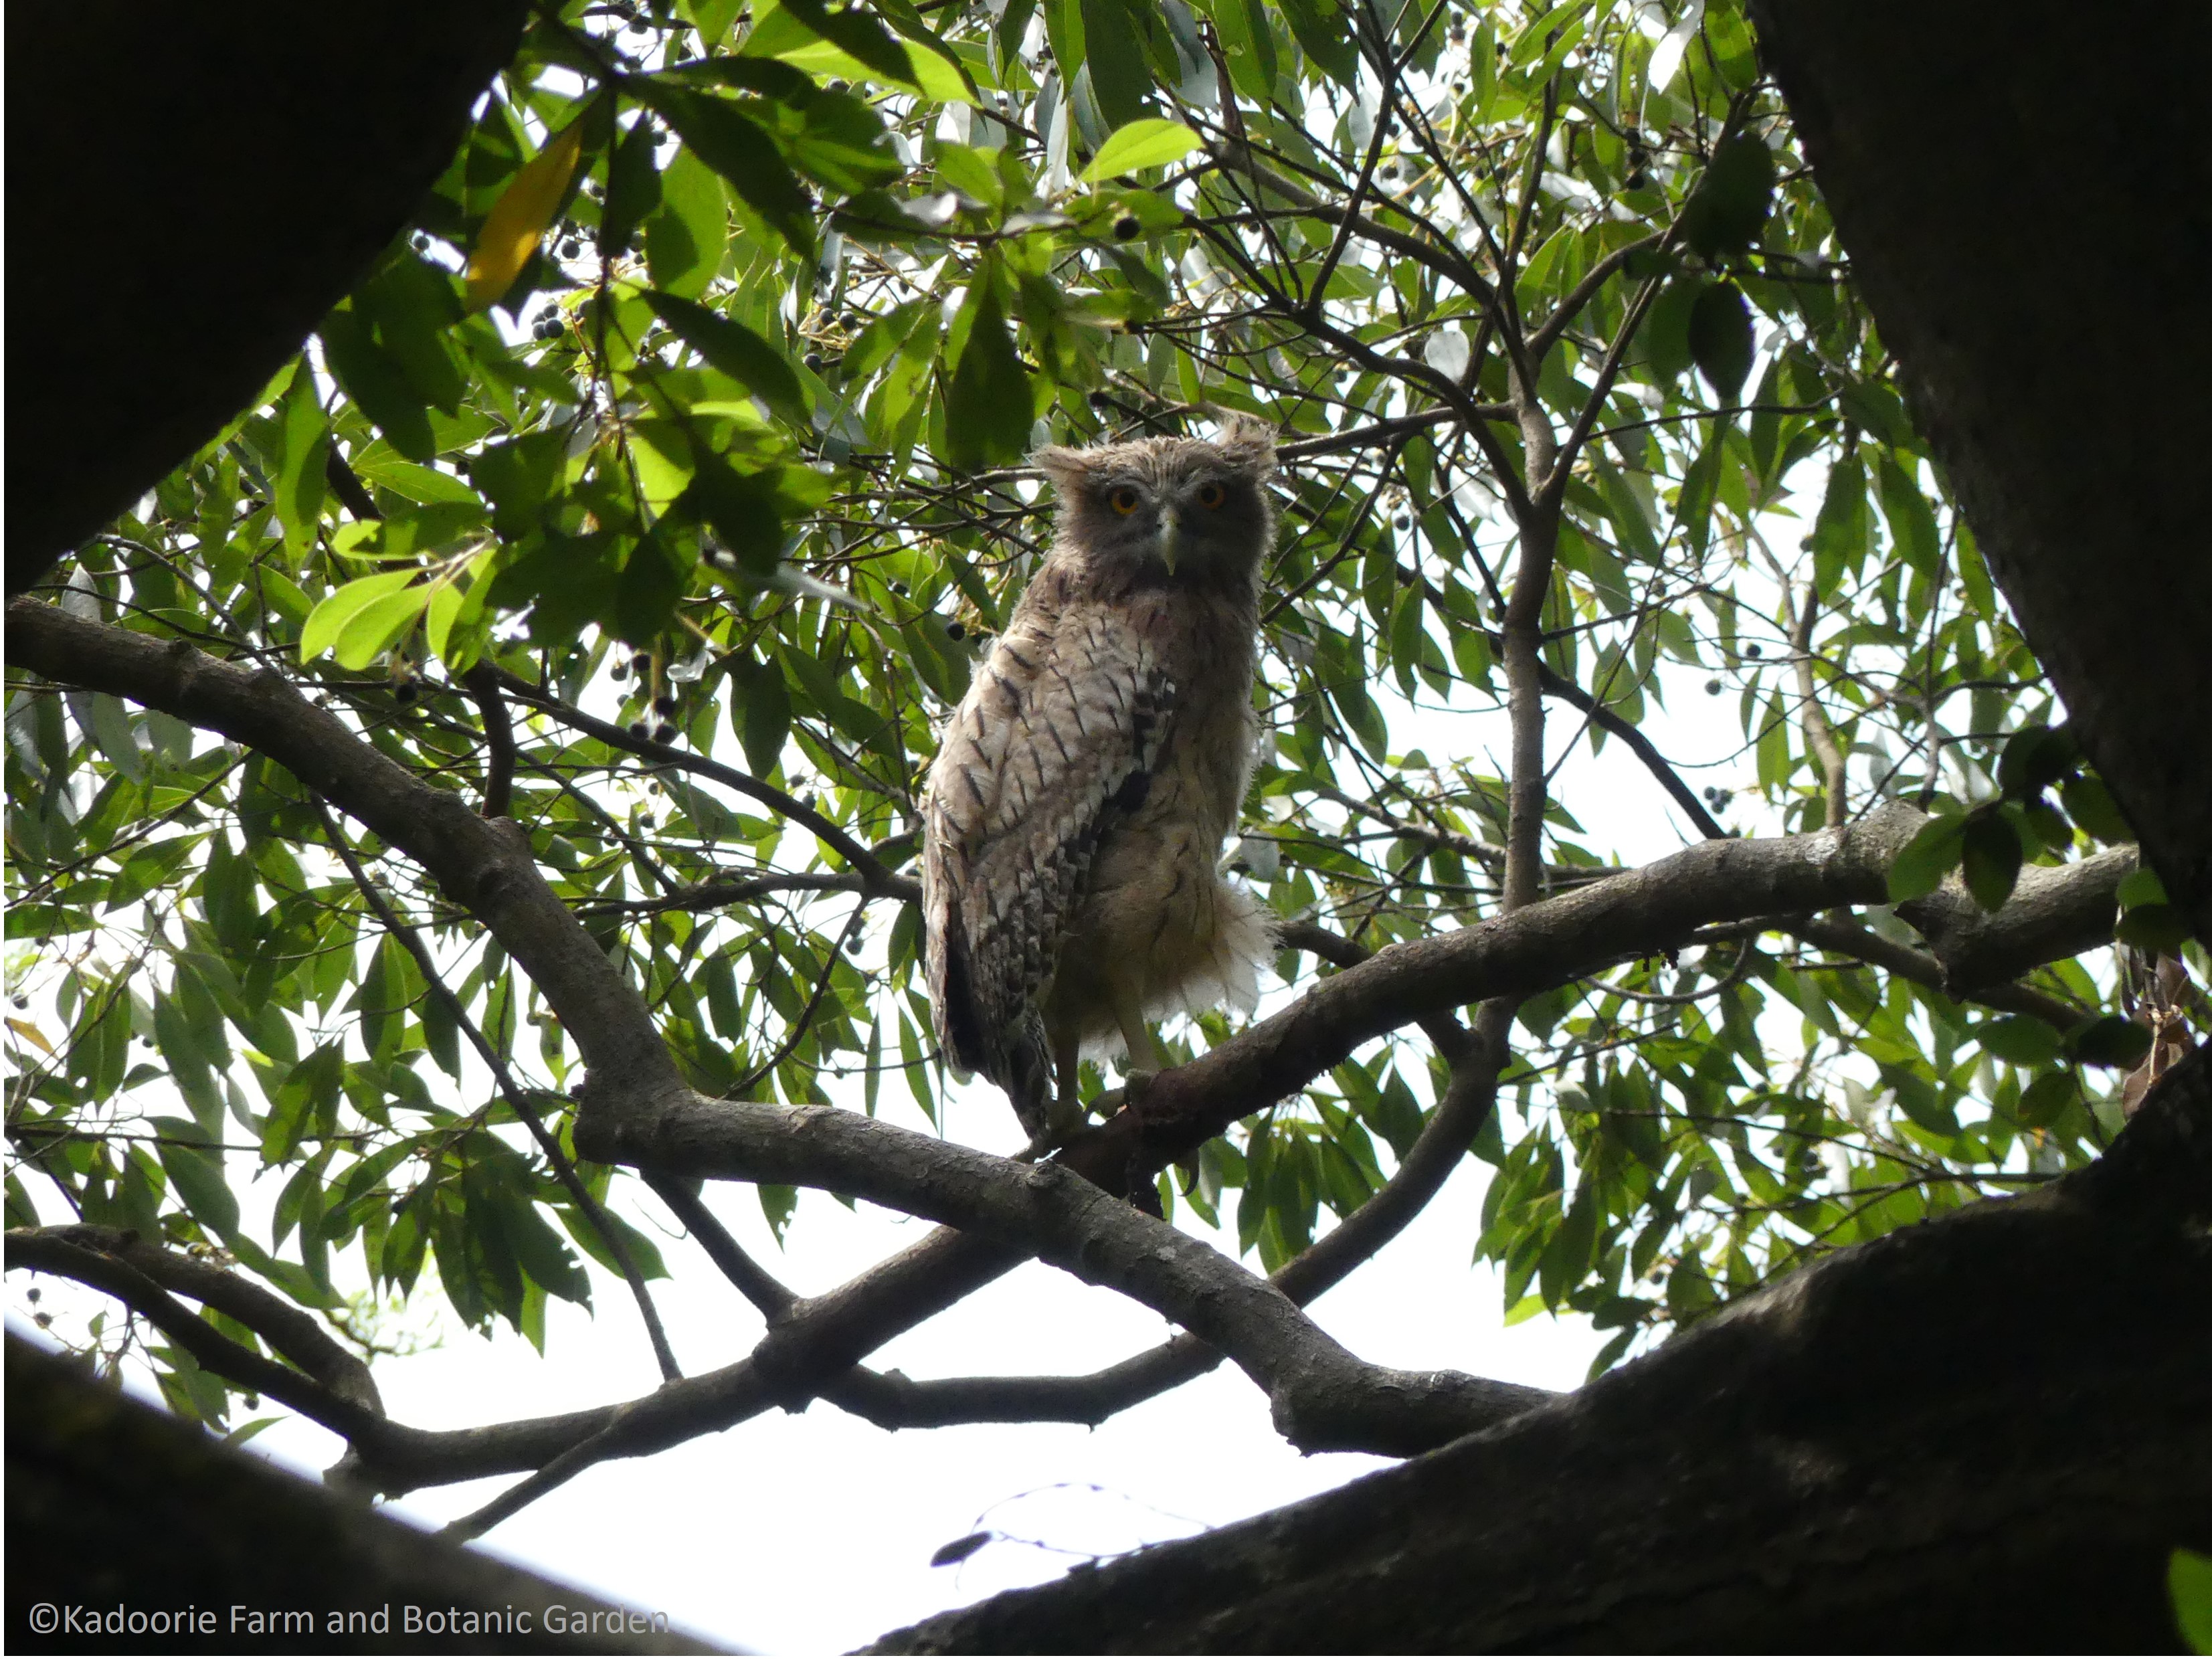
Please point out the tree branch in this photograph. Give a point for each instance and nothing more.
(293, 1332)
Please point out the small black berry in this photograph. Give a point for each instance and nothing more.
(664, 705)
(406, 690)
(1401, 522)
(1712, 687)
(642, 661)
(813, 362)
(1753, 651)
(1638, 179)
(637, 729)
(663, 734)
(955, 631)
(1126, 227)
(32, 1294)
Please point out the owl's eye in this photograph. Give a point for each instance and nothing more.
(1123, 499)
(1211, 495)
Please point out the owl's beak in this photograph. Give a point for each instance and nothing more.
(1171, 537)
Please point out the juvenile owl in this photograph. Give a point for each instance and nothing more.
(1074, 816)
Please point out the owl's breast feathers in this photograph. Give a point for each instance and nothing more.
(1058, 734)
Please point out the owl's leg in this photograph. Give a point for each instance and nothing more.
(1136, 1036)
(1067, 1116)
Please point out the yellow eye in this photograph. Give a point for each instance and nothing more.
(1211, 495)
(1123, 499)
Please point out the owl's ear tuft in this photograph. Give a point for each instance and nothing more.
(1067, 466)
(1248, 441)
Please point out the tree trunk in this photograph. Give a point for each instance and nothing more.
(191, 188)
(1987, 1432)
(2026, 199)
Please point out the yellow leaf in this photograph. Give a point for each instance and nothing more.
(517, 221)
(32, 1033)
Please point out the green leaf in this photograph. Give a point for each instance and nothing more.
(2189, 1580)
(1665, 333)
(764, 720)
(1729, 209)
(200, 1184)
(1325, 35)
(1141, 144)
(2110, 1040)
(299, 481)
(1113, 38)
(377, 384)
(1929, 856)
(740, 150)
(1719, 339)
(855, 33)
(987, 410)
(1989, 858)
(737, 353)
(2022, 1039)
(633, 189)
(2034, 757)
(2045, 1101)
(2091, 806)
(337, 612)
(686, 237)
(2156, 927)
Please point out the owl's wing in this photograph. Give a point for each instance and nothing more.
(1059, 732)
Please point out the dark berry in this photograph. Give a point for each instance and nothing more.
(621, 672)
(1126, 227)
(406, 690)
(1099, 401)
(642, 661)
(837, 87)
(664, 705)
(813, 362)
(1753, 651)
(548, 330)
(955, 631)
(663, 734)
(32, 1294)
(569, 247)
(1638, 179)
(857, 943)
(1712, 687)
(1401, 522)
(637, 729)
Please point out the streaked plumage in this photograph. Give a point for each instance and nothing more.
(1074, 816)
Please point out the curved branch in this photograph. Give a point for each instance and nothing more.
(95, 1266)
(291, 1330)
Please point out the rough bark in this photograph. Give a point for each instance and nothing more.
(112, 1504)
(194, 187)
(1983, 1433)
(2024, 204)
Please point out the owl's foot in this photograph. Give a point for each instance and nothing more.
(1065, 1121)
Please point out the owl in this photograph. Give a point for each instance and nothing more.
(1074, 816)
